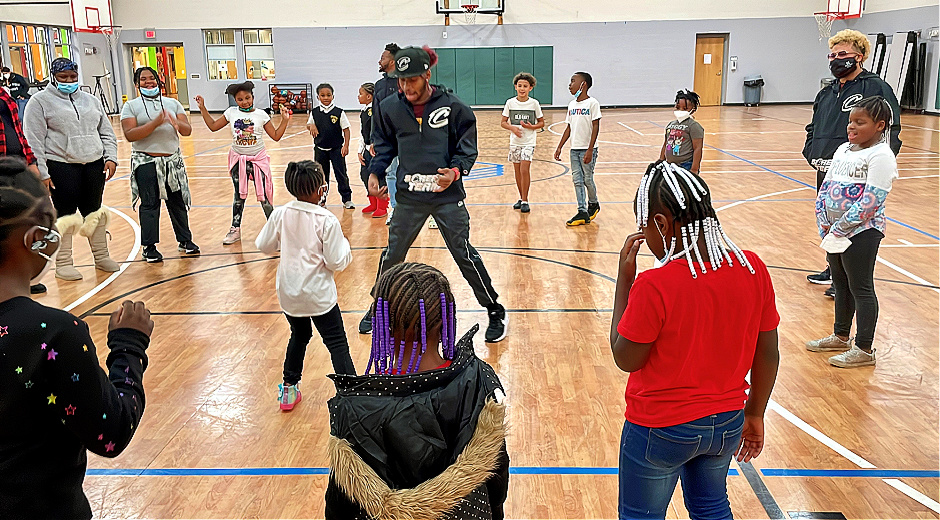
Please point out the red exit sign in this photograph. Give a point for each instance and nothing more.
(150, 34)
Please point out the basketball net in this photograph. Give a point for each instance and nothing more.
(470, 13)
(824, 23)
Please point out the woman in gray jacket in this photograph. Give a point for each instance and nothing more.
(76, 152)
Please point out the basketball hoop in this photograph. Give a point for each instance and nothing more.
(111, 32)
(470, 13)
(824, 22)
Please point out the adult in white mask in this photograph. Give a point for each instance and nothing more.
(685, 137)
(76, 152)
(153, 125)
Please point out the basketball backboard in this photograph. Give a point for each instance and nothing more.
(90, 15)
(461, 8)
(847, 8)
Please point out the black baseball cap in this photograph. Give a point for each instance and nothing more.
(411, 62)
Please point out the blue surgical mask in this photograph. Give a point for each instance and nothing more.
(150, 92)
(67, 88)
(580, 89)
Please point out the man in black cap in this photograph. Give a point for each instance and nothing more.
(434, 135)
(387, 86)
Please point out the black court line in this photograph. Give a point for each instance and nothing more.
(202, 271)
(357, 312)
(763, 494)
(498, 249)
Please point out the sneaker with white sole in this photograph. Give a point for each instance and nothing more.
(234, 235)
(432, 224)
(188, 248)
(499, 324)
(830, 343)
(854, 357)
(288, 396)
(349, 205)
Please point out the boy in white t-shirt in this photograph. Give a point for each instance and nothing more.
(584, 123)
(522, 116)
(248, 161)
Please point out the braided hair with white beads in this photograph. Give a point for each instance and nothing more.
(687, 197)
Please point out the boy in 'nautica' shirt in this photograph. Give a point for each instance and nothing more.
(584, 123)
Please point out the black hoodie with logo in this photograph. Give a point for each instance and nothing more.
(831, 115)
(445, 137)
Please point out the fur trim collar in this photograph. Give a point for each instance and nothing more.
(432, 498)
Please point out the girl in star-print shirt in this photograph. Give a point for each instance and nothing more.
(55, 400)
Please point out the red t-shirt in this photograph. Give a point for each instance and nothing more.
(704, 334)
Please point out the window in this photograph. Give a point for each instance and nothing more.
(220, 54)
(29, 51)
(61, 41)
(259, 54)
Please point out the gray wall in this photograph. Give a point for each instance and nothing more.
(633, 63)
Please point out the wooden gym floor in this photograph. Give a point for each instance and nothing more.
(213, 443)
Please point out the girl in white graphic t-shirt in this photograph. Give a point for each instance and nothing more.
(248, 160)
(522, 116)
(850, 213)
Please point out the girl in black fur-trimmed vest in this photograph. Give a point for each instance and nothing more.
(423, 435)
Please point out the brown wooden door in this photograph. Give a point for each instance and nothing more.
(709, 64)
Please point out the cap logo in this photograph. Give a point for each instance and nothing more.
(403, 62)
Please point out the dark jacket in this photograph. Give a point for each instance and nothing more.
(831, 115)
(19, 86)
(441, 429)
(365, 124)
(384, 88)
(445, 138)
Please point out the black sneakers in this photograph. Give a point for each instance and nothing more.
(593, 209)
(517, 205)
(823, 278)
(151, 255)
(524, 207)
(188, 247)
(580, 219)
(37, 289)
(830, 292)
(499, 323)
(365, 324)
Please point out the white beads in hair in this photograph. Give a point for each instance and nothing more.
(717, 243)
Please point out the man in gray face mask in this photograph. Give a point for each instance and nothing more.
(848, 50)
(18, 86)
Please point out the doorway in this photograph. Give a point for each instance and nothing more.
(170, 63)
(709, 67)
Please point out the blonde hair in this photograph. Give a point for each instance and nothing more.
(858, 40)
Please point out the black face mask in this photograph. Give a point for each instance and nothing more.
(842, 68)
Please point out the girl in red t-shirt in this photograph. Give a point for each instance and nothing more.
(688, 331)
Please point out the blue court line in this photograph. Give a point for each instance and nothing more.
(516, 470)
(752, 163)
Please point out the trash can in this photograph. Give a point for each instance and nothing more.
(825, 82)
(752, 90)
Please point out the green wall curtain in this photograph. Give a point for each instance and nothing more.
(483, 75)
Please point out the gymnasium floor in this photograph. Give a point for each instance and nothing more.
(213, 443)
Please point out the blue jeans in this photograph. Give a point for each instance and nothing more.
(700, 451)
(21, 106)
(583, 177)
(391, 178)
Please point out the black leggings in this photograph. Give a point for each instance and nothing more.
(853, 274)
(364, 171)
(333, 334)
(238, 204)
(78, 187)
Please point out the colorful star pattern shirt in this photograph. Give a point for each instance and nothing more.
(56, 403)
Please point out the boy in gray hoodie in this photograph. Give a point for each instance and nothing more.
(76, 152)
